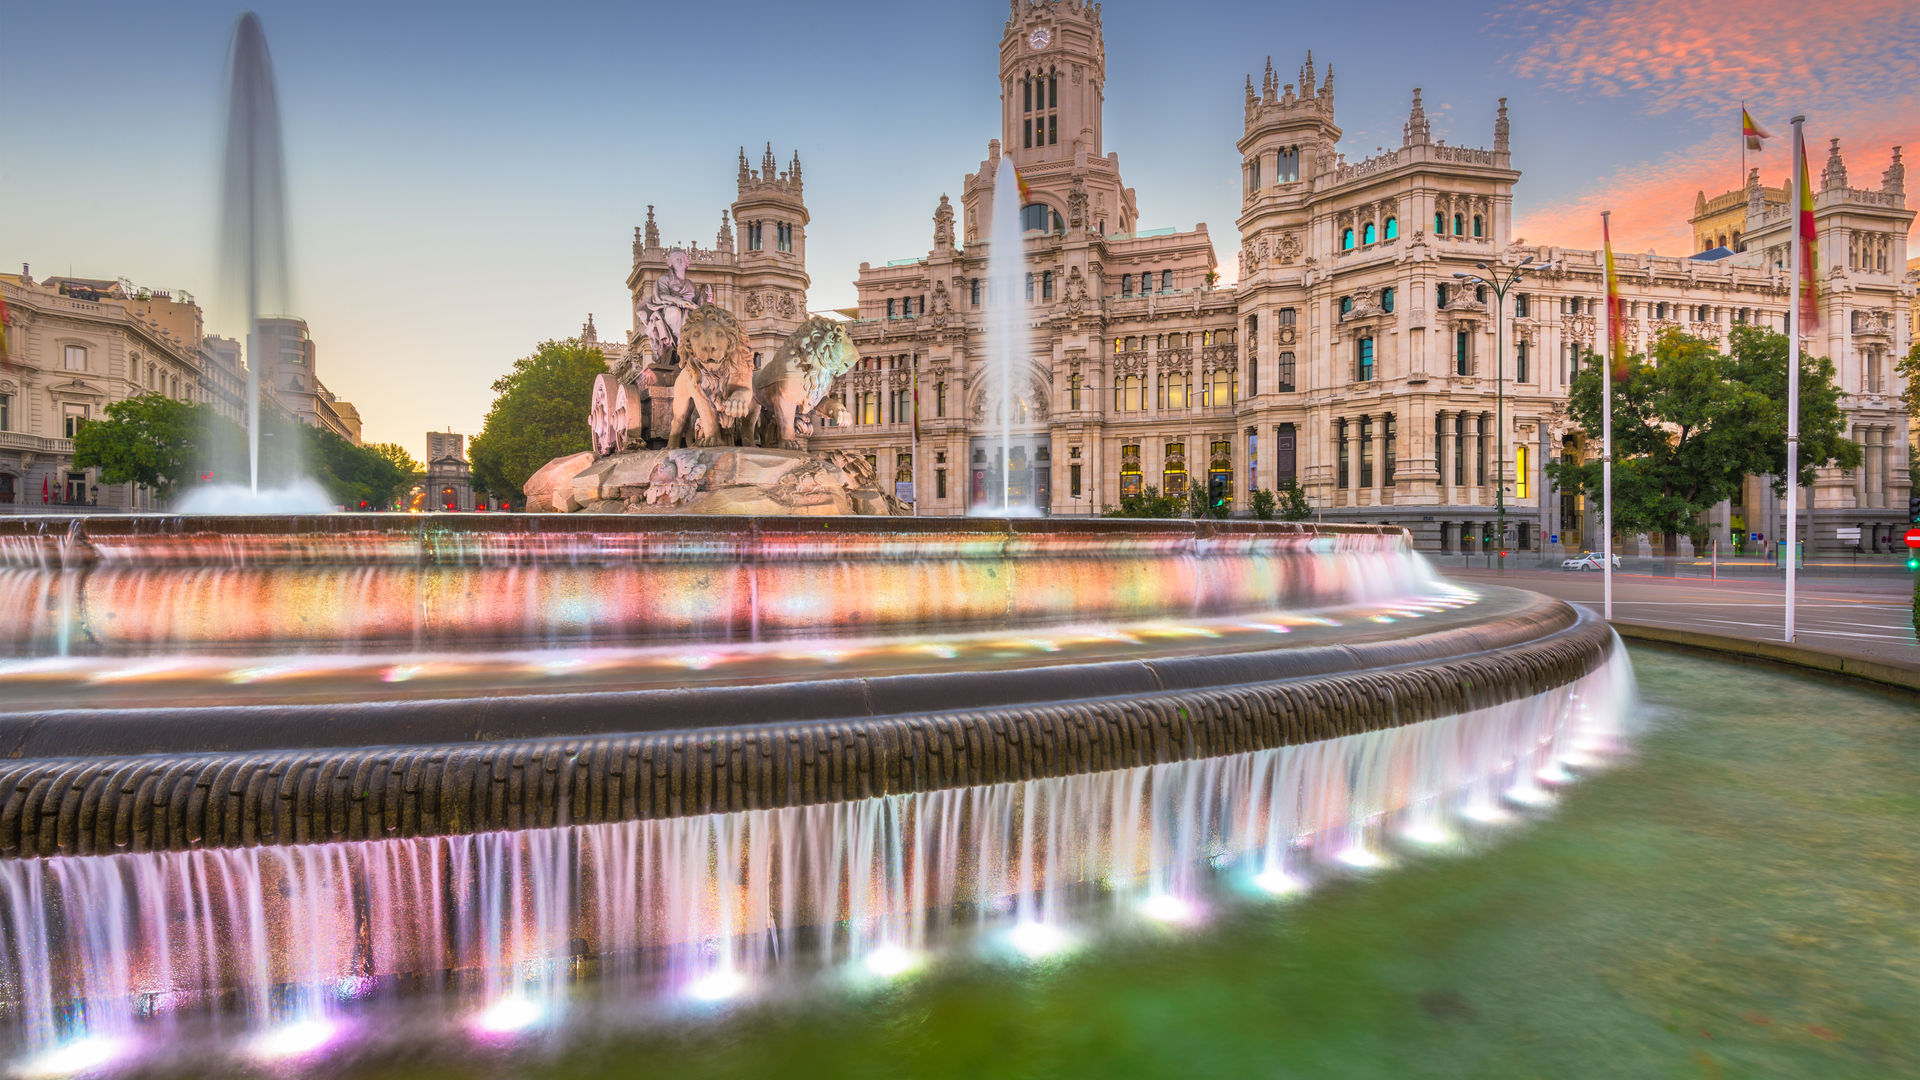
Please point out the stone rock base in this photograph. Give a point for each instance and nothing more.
(710, 480)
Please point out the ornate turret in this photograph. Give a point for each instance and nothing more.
(723, 242)
(1894, 180)
(588, 335)
(1306, 76)
(653, 229)
(1502, 130)
(943, 224)
(1053, 66)
(745, 175)
(1834, 176)
(1418, 131)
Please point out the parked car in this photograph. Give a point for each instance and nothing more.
(1588, 560)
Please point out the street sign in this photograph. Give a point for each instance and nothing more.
(1554, 539)
(1851, 532)
(1913, 538)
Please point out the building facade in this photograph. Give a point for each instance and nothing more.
(290, 372)
(75, 346)
(1347, 357)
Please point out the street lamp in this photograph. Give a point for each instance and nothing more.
(1500, 284)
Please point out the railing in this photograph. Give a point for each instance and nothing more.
(17, 440)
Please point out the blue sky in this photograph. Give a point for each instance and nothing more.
(465, 179)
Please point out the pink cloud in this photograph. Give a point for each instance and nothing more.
(1853, 74)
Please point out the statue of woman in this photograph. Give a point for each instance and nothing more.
(663, 313)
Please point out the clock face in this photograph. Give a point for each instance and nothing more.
(1039, 38)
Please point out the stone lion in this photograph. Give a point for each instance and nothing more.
(713, 391)
(795, 382)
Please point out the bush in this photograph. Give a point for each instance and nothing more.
(1293, 504)
(1149, 504)
(1262, 504)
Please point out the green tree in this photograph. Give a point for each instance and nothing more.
(154, 441)
(1690, 423)
(1149, 504)
(1262, 503)
(397, 454)
(1292, 502)
(358, 477)
(539, 413)
(1909, 369)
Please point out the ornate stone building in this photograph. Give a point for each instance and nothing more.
(1347, 356)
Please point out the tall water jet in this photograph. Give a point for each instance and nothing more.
(253, 258)
(1006, 315)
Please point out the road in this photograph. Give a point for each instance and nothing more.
(1871, 615)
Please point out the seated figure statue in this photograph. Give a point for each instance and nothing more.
(665, 310)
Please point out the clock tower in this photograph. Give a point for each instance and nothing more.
(1053, 72)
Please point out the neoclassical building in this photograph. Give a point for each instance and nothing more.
(1347, 356)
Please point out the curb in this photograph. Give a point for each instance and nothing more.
(1778, 653)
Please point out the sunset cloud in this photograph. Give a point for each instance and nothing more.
(1854, 74)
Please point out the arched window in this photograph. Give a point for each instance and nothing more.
(1346, 305)
(1439, 223)
(1346, 240)
(1476, 225)
(1458, 222)
(1029, 286)
(1046, 285)
(1393, 228)
(1386, 300)
(1367, 236)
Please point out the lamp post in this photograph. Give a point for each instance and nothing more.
(1500, 284)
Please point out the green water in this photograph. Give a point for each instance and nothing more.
(1741, 898)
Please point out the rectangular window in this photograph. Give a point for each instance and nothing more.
(1520, 305)
(1166, 281)
(1480, 452)
(76, 358)
(1146, 283)
(1073, 480)
(1366, 451)
(1283, 373)
(1288, 317)
(1126, 284)
(75, 419)
(1026, 134)
(1253, 175)
(1053, 130)
(1386, 301)
(1461, 365)
(6, 412)
(1364, 370)
(1253, 462)
(1285, 466)
(1029, 286)
(1387, 451)
(939, 483)
(1520, 472)
(1340, 455)
(1520, 362)
(1439, 296)
(940, 399)
(1046, 285)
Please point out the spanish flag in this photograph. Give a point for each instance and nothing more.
(1809, 266)
(1026, 193)
(1752, 131)
(1616, 325)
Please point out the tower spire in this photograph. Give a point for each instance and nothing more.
(768, 168)
(653, 230)
(1306, 76)
(1418, 130)
(1502, 130)
(793, 171)
(1894, 180)
(1835, 174)
(745, 175)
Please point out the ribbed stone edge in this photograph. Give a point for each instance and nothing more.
(109, 805)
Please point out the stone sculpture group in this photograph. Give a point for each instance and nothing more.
(735, 438)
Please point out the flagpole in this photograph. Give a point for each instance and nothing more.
(1605, 339)
(1742, 185)
(1793, 366)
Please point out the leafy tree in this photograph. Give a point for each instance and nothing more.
(1261, 502)
(353, 475)
(1293, 504)
(1149, 504)
(155, 441)
(1691, 423)
(397, 454)
(1909, 369)
(539, 413)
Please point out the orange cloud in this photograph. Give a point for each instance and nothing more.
(1852, 73)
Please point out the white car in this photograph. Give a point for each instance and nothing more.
(1589, 560)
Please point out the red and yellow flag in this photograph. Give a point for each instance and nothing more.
(1752, 131)
(1809, 266)
(1616, 325)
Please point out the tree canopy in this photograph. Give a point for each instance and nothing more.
(1690, 423)
(165, 445)
(397, 454)
(157, 442)
(539, 413)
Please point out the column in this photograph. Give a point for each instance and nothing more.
(1876, 463)
(1860, 474)
(1444, 442)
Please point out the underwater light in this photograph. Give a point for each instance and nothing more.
(1035, 940)
(891, 961)
(1165, 907)
(81, 1055)
(718, 985)
(1362, 857)
(292, 1040)
(1529, 796)
(1278, 883)
(1430, 834)
(510, 1014)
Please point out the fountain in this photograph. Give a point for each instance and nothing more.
(266, 774)
(267, 780)
(253, 258)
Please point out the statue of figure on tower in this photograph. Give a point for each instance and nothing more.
(664, 312)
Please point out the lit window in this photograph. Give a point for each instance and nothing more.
(1520, 471)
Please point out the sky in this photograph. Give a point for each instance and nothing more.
(464, 180)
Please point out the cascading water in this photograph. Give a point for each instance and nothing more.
(293, 939)
(253, 260)
(1007, 324)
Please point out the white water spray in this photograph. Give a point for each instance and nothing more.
(1006, 319)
